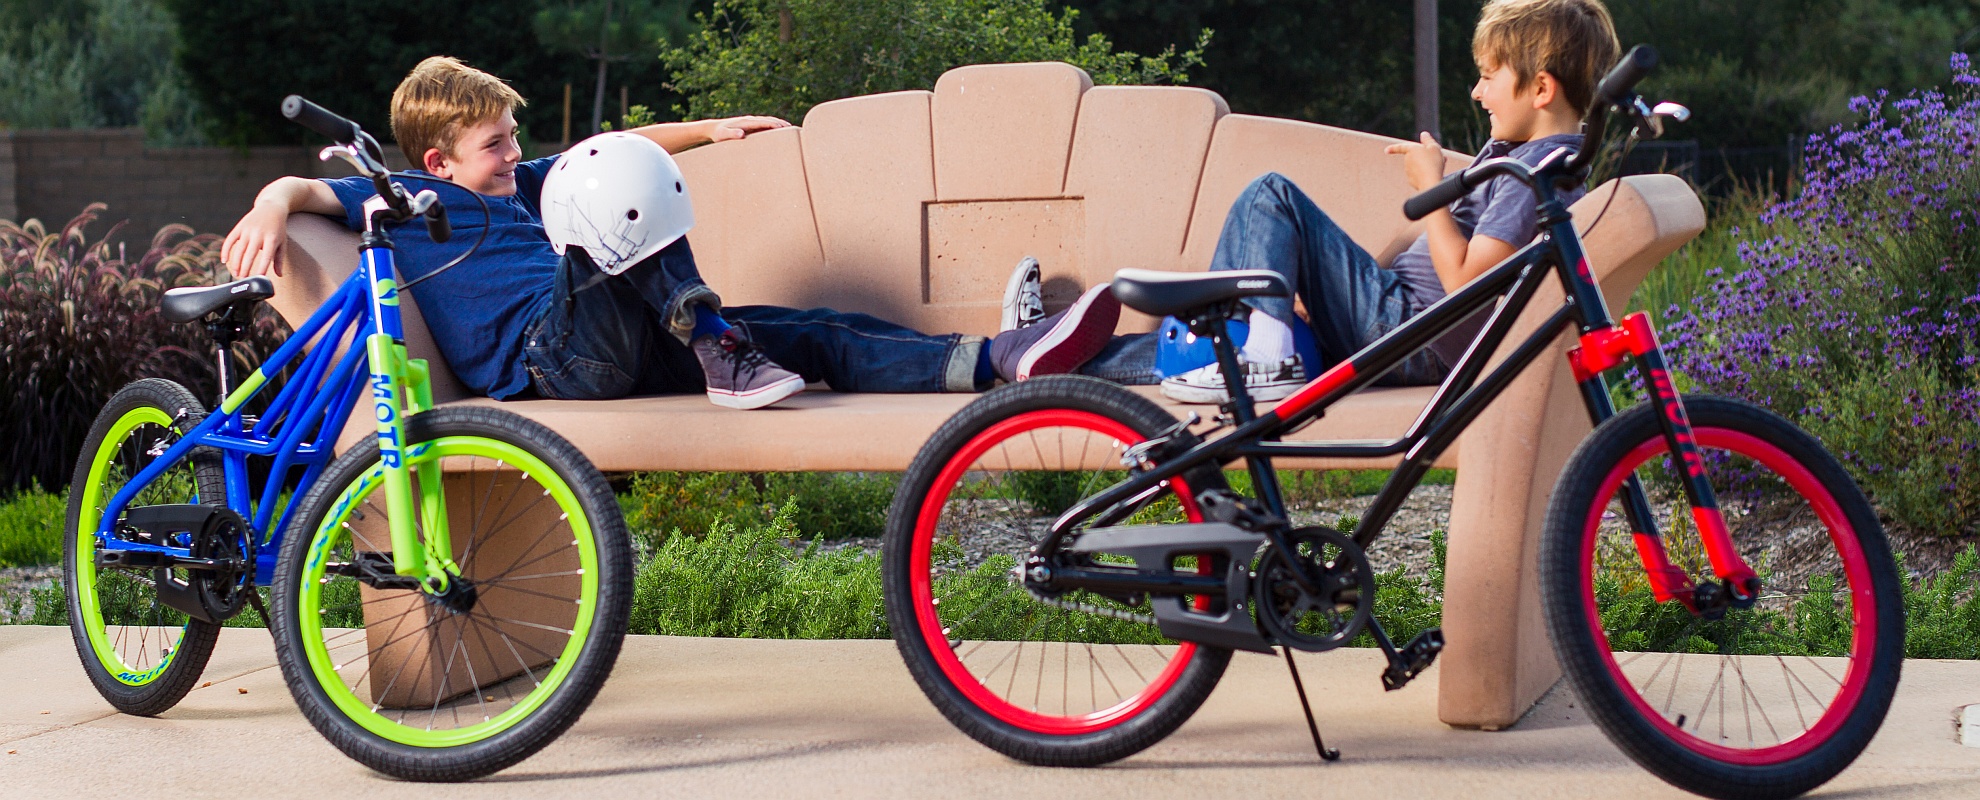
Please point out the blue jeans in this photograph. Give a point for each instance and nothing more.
(1352, 300)
(611, 336)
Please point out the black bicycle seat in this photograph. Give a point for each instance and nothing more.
(191, 303)
(1165, 294)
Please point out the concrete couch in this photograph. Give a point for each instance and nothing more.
(914, 206)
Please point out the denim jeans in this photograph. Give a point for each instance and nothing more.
(611, 336)
(1351, 299)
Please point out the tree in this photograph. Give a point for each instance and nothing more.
(93, 63)
(348, 55)
(785, 56)
(606, 31)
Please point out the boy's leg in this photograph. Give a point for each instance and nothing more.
(853, 352)
(603, 342)
(1351, 299)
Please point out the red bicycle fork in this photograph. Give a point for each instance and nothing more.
(1604, 348)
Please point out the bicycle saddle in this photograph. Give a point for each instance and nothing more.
(190, 303)
(1165, 294)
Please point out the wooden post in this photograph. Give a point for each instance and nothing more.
(565, 142)
(1426, 67)
(623, 108)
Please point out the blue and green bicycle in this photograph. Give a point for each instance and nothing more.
(446, 597)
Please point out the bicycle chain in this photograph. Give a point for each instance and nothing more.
(1125, 616)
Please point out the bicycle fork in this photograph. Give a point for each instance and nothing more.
(400, 387)
(1604, 348)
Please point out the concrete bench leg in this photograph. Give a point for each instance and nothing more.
(1497, 659)
(422, 655)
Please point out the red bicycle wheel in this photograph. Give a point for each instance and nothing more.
(1081, 678)
(1763, 699)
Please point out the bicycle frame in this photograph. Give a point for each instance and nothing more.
(1458, 401)
(300, 425)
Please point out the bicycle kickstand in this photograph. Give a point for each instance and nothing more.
(1326, 753)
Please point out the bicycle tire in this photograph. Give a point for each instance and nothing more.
(560, 677)
(1767, 474)
(1116, 722)
(137, 417)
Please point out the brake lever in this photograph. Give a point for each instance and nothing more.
(356, 157)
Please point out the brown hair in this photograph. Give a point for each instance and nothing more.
(439, 98)
(1572, 40)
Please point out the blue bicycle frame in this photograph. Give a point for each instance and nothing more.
(300, 426)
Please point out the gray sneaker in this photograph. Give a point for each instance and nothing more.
(1024, 296)
(739, 375)
(1058, 343)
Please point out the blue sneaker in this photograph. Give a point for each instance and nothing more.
(1058, 343)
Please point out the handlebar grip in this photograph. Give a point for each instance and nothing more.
(1634, 66)
(437, 226)
(1444, 193)
(317, 118)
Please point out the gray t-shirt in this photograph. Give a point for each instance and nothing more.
(1502, 208)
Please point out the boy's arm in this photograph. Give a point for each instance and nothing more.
(254, 247)
(1457, 260)
(678, 136)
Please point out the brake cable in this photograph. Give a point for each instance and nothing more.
(486, 223)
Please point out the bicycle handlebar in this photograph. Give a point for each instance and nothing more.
(319, 119)
(1446, 192)
(1620, 83)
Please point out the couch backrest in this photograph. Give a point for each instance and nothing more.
(914, 206)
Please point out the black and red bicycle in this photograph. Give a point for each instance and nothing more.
(1068, 567)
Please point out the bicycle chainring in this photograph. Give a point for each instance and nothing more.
(1315, 622)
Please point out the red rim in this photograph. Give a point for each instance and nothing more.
(924, 593)
(1863, 602)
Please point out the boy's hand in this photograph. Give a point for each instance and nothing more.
(254, 247)
(738, 127)
(1423, 162)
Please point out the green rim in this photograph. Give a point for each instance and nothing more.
(87, 595)
(310, 596)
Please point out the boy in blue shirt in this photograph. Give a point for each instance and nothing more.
(1538, 64)
(516, 320)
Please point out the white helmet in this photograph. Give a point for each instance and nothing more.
(617, 195)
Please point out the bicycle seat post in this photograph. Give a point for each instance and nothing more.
(225, 328)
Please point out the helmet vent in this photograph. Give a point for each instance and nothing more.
(594, 151)
(677, 187)
(632, 213)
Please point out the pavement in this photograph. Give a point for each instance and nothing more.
(771, 719)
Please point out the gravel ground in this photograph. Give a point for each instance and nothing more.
(17, 585)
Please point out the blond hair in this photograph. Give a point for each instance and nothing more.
(440, 98)
(1572, 40)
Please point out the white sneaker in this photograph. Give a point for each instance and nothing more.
(1261, 381)
(1024, 296)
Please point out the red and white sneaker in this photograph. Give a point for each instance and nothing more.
(1058, 343)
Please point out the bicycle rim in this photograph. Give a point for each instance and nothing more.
(456, 677)
(1763, 685)
(990, 637)
(132, 636)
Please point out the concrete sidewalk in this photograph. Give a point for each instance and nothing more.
(730, 717)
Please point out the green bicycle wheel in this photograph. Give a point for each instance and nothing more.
(141, 656)
(461, 683)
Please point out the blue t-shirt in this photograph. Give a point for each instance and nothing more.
(480, 310)
(1502, 208)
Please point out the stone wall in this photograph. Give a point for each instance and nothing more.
(51, 175)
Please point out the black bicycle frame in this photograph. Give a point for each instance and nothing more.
(1458, 401)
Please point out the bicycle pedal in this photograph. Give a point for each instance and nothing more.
(1413, 659)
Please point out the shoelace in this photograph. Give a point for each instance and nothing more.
(744, 354)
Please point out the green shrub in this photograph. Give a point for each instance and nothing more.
(832, 505)
(742, 581)
(784, 56)
(31, 528)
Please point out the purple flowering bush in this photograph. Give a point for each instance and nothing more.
(1853, 307)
